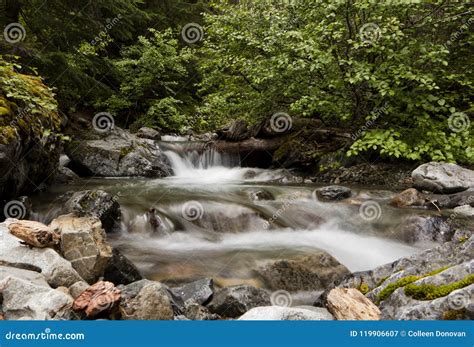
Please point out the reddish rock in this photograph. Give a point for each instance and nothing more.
(99, 297)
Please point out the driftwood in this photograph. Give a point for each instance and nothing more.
(99, 297)
(351, 304)
(34, 234)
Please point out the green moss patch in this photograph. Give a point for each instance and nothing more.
(431, 291)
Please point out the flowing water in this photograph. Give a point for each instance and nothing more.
(214, 222)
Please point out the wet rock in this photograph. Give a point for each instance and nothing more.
(350, 304)
(83, 244)
(57, 271)
(120, 270)
(285, 313)
(148, 133)
(445, 201)
(333, 193)
(464, 211)
(195, 311)
(78, 288)
(424, 228)
(409, 197)
(100, 297)
(236, 131)
(65, 175)
(259, 195)
(93, 203)
(145, 300)
(26, 299)
(33, 234)
(118, 154)
(442, 178)
(234, 301)
(314, 272)
(199, 291)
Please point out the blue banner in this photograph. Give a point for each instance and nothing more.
(233, 333)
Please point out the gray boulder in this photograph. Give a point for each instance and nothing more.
(195, 311)
(27, 275)
(443, 178)
(424, 228)
(286, 313)
(200, 291)
(333, 193)
(83, 243)
(233, 302)
(148, 133)
(118, 154)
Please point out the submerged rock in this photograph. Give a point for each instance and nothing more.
(313, 272)
(333, 193)
(443, 178)
(409, 197)
(233, 302)
(286, 313)
(351, 304)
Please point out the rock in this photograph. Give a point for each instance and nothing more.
(34, 234)
(98, 298)
(333, 193)
(259, 195)
(442, 178)
(93, 203)
(409, 197)
(200, 291)
(444, 201)
(285, 313)
(350, 304)
(118, 154)
(464, 211)
(234, 301)
(78, 288)
(120, 270)
(314, 272)
(27, 275)
(148, 133)
(57, 271)
(25, 299)
(424, 228)
(145, 300)
(65, 175)
(236, 131)
(83, 244)
(195, 311)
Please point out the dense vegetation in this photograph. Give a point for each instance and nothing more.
(398, 76)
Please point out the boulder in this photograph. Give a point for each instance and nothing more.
(118, 153)
(27, 275)
(57, 270)
(83, 243)
(236, 131)
(98, 298)
(78, 288)
(351, 304)
(445, 201)
(333, 193)
(464, 211)
(409, 197)
(145, 300)
(148, 133)
(26, 299)
(259, 195)
(195, 311)
(233, 302)
(93, 203)
(120, 270)
(33, 234)
(442, 178)
(200, 291)
(65, 175)
(313, 272)
(285, 313)
(420, 228)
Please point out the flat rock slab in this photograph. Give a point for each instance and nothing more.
(351, 304)
(285, 313)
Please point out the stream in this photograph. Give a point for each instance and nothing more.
(220, 220)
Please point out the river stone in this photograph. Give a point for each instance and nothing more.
(57, 270)
(409, 197)
(350, 304)
(333, 193)
(464, 211)
(195, 311)
(259, 195)
(33, 233)
(145, 300)
(235, 131)
(120, 270)
(83, 243)
(64, 175)
(285, 313)
(446, 201)
(313, 272)
(148, 133)
(200, 291)
(443, 178)
(233, 302)
(424, 228)
(94, 203)
(24, 299)
(78, 288)
(118, 153)
(27, 275)
(99, 298)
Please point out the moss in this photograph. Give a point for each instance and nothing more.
(382, 281)
(390, 288)
(431, 291)
(125, 151)
(463, 239)
(364, 288)
(454, 314)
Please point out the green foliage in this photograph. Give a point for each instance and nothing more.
(314, 59)
(430, 291)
